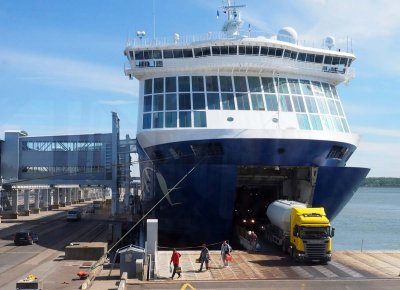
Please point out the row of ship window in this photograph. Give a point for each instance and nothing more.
(237, 84)
(197, 119)
(182, 96)
(241, 101)
(157, 54)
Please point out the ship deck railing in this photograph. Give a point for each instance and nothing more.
(178, 40)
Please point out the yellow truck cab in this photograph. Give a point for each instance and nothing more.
(310, 235)
(31, 282)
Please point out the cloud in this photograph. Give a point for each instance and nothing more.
(369, 27)
(366, 20)
(8, 127)
(116, 102)
(357, 108)
(57, 71)
(38, 130)
(385, 149)
(255, 21)
(81, 131)
(381, 158)
(379, 132)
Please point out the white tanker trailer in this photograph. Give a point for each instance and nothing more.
(302, 231)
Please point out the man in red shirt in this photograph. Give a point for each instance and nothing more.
(175, 260)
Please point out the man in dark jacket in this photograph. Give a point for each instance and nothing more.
(204, 257)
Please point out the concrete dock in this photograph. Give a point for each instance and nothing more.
(247, 265)
(350, 266)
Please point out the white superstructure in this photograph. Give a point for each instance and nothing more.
(239, 85)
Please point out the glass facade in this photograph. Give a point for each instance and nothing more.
(183, 101)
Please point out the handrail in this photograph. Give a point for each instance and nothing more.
(177, 40)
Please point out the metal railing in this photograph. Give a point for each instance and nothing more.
(345, 44)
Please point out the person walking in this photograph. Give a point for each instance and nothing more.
(226, 249)
(204, 257)
(175, 261)
(253, 241)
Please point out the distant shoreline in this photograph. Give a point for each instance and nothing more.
(381, 182)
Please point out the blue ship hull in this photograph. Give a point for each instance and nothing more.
(202, 209)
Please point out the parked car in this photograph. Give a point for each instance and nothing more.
(25, 237)
(97, 203)
(90, 209)
(74, 215)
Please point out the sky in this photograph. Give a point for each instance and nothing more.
(62, 62)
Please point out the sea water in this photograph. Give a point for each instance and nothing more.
(370, 221)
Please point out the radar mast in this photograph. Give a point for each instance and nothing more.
(233, 21)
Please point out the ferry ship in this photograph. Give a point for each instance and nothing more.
(229, 122)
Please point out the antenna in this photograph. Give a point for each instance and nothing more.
(154, 21)
(275, 80)
(233, 22)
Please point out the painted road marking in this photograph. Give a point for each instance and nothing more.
(326, 272)
(187, 285)
(347, 270)
(301, 272)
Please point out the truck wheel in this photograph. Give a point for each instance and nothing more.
(269, 238)
(295, 257)
(291, 252)
(284, 247)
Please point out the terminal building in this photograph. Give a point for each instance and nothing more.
(60, 170)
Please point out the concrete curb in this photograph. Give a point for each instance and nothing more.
(122, 282)
(96, 269)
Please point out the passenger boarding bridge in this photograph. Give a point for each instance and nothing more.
(56, 171)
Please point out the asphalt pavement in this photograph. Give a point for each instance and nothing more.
(46, 258)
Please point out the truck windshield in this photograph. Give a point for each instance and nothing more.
(314, 233)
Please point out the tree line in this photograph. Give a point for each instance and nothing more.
(381, 182)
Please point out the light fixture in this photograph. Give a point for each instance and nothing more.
(176, 37)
